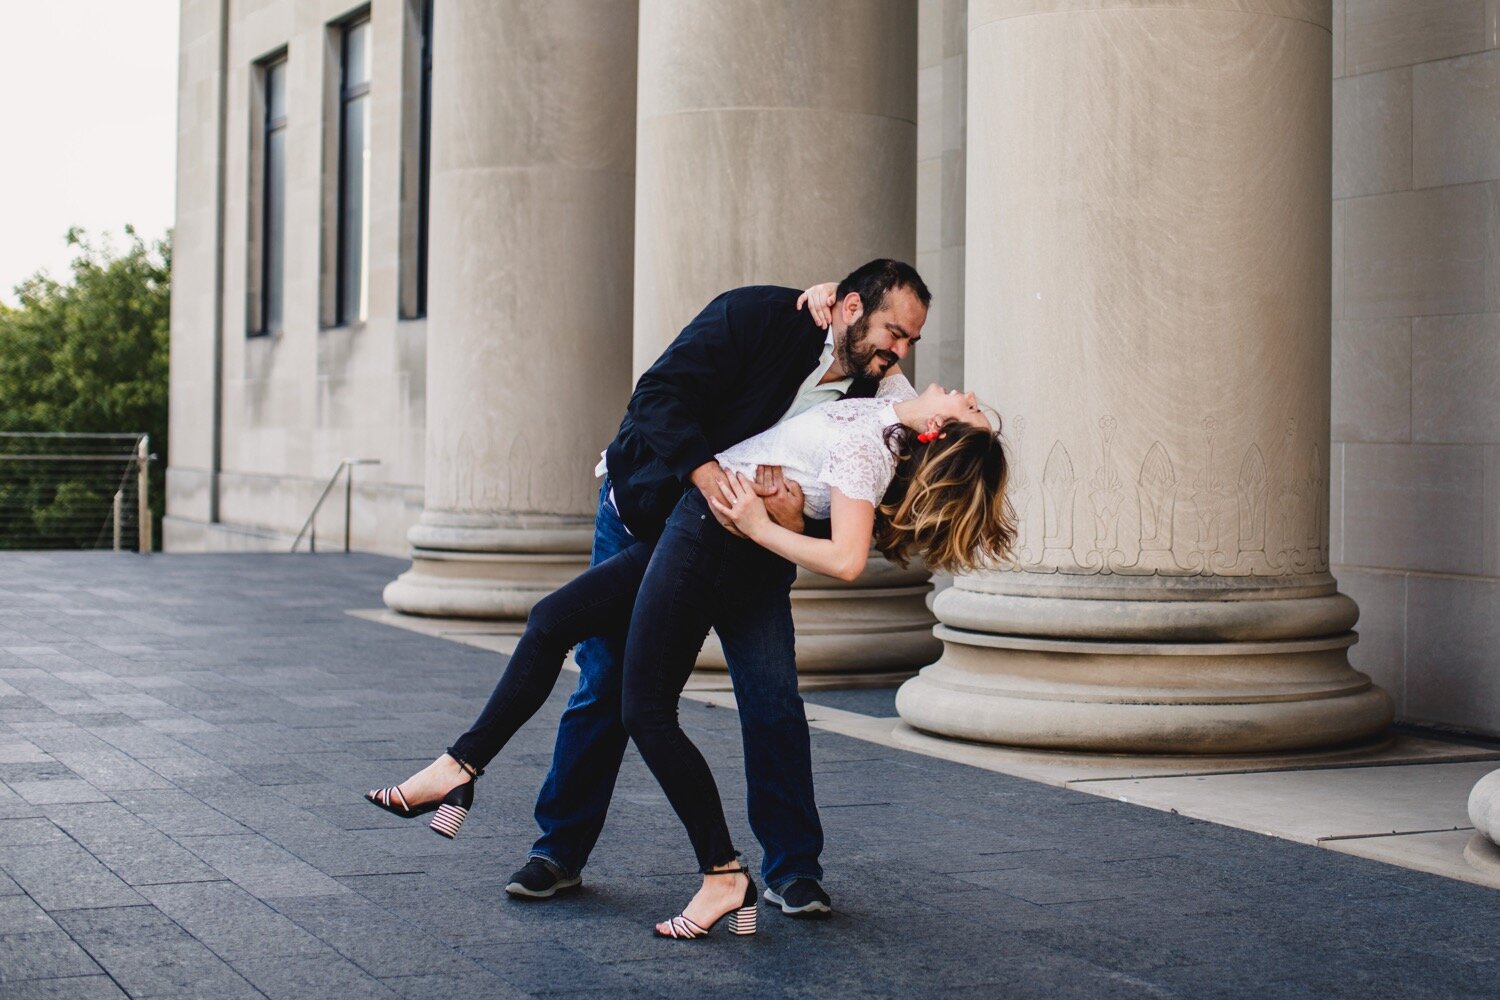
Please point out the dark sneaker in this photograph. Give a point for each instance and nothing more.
(802, 898)
(540, 879)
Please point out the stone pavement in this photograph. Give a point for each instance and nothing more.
(184, 741)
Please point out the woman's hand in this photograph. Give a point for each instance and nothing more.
(741, 506)
(819, 300)
(783, 497)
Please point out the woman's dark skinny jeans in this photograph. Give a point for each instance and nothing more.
(668, 597)
(597, 602)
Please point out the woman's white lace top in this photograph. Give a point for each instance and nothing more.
(840, 444)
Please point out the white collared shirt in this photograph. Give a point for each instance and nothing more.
(810, 393)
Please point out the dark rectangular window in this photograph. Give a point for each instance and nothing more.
(416, 156)
(354, 173)
(272, 200)
(424, 157)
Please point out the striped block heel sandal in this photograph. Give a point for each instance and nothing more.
(451, 809)
(740, 920)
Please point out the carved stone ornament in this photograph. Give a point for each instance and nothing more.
(1232, 512)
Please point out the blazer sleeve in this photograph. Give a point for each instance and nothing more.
(675, 395)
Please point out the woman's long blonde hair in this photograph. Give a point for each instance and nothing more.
(947, 500)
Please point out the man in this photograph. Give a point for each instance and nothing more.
(750, 359)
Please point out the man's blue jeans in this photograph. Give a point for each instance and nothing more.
(758, 641)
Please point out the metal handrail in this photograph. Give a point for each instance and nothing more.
(112, 435)
(308, 529)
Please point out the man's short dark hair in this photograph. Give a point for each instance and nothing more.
(879, 276)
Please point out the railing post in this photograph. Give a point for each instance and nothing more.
(348, 497)
(143, 490)
(310, 527)
(115, 510)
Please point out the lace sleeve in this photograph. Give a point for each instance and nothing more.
(859, 463)
(895, 388)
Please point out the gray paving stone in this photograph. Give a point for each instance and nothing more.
(58, 736)
(261, 867)
(337, 860)
(149, 955)
(15, 750)
(296, 879)
(191, 765)
(57, 790)
(378, 942)
(178, 813)
(44, 955)
(478, 983)
(110, 770)
(12, 806)
(72, 988)
(20, 915)
(237, 850)
(136, 851)
(231, 922)
(472, 910)
(89, 720)
(62, 876)
(32, 830)
(267, 812)
(138, 741)
(43, 770)
(300, 977)
(547, 967)
(877, 702)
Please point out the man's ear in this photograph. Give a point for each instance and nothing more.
(852, 306)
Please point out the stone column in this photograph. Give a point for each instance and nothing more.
(1483, 851)
(1148, 236)
(776, 144)
(941, 118)
(528, 348)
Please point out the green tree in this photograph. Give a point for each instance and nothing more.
(86, 356)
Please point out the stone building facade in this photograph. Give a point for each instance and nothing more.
(1416, 361)
(261, 418)
(1126, 211)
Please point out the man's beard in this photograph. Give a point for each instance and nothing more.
(858, 358)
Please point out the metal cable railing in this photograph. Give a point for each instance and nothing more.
(75, 491)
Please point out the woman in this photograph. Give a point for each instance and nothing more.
(914, 473)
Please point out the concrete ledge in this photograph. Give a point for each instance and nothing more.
(180, 534)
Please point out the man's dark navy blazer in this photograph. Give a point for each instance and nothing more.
(731, 373)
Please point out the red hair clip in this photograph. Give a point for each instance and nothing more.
(927, 437)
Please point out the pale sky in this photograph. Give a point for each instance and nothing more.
(88, 126)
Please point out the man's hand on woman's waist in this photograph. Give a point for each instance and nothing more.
(783, 497)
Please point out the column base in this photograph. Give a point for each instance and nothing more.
(493, 566)
(1483, 855)
(480, 584)
(878, 624)
(1138, 697)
